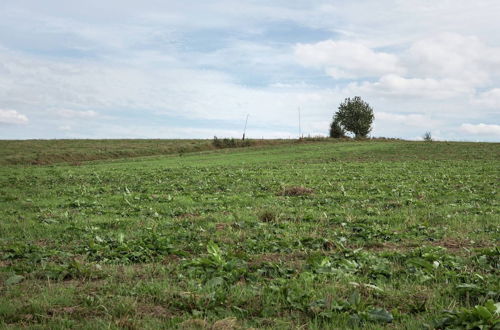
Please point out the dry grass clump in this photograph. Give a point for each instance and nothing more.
(230, 323)
(268, 216)
(194, 324)
(295, 191)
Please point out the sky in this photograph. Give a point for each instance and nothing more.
(195, 69)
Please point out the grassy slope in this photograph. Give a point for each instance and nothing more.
(44, 152)
(126, 243)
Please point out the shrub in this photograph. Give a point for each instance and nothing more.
(427, 137)
(336, 131)
(229, 143)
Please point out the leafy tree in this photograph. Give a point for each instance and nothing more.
(336, 131)
(356, 116)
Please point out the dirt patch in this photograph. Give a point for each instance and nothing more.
(5, 263)
(65, 310)
(451, 244)
(456, 244)
(292, 258)
(295, 191)
(221, 226)
(386, 246)
(153, 310)
(42, 243)
(267, 216)
(170, 259)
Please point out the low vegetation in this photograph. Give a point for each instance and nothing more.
(74, 152)
(396, 235)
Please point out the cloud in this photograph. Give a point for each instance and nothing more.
(134, 89)
(67, 113)
(413, 119)
(481, 129)
(454, 56)
(443, 66)
(394, 85)
(12, 117)
(489, 99)
(345, 59)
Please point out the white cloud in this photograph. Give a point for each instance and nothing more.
(394, 85)
(345, 59)
(490, 99)
(443, 66)
(413, 119)
(12, 117)
(388, 22)
(481, 129)
(146, 131)
(67, 113)
(455, 56)
(124, 89)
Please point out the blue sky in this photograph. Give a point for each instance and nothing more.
(195, 69)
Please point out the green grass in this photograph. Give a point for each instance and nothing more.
(382, 231)
(45, 152)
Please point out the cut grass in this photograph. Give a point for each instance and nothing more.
(392, 231)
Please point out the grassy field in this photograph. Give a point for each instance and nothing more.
(46, 152)
(310, 236)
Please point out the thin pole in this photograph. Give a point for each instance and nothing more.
(245, 130)
(300, 129)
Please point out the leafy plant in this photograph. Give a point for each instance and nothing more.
(358, 310)
(216, 264)
(119, 249)
(479, 317)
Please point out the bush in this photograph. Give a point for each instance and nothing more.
(229, 143)
(336, 131)
(427, 137)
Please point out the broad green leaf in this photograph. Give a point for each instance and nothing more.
(380, 315)
(421, 263)
(355, 298)
(483, 312)
(213, 249)
(14, 280)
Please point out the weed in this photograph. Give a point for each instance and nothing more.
(485, 316)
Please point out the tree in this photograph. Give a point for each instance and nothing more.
(355, 116)
(336, 131)
(427, 137)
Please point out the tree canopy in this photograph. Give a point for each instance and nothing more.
(355, 116)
